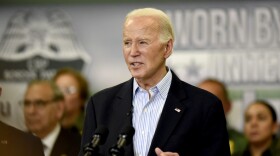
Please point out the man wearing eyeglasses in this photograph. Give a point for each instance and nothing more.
(14, 142)
(43, 109)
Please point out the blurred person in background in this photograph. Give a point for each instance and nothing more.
(236, 139)
(260, 128)
(75, 89)
(43, 109)
(14, 142)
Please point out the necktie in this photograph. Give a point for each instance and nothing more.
(45, 148)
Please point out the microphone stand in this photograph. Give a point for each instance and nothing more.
(118, 149)
(90, 151)
(99, 138)
(92, 148)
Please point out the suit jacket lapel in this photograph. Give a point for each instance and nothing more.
(171, 114)
(125, 108)
(59, 144)
(125, 99)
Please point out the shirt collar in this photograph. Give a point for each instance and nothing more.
(50, 139)
(163, 86)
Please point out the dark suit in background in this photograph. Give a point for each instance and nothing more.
(196, 127)
(66, 144)
(14, 142)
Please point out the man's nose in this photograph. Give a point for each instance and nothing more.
(30, 108)
(134, 51)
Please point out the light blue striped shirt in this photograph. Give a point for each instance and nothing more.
(146, 113)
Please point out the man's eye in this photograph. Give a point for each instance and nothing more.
(143, 42)
(126, 43)
(40, 103)
(26, 103)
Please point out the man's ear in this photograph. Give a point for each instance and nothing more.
(168, 48)
(60, 109)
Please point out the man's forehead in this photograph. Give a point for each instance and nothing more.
(39, 90)
(141, 33)
(144, 22)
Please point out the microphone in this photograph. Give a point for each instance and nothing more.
(99, 138)
(125, 138)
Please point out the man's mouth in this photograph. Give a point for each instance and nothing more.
(136, 64)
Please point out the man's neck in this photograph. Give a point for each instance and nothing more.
(151, 82)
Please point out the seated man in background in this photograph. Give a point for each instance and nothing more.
(236, 139)
(75, 89)
(43, 110)
(14, 142)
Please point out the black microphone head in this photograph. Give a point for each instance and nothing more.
(103, 132)
(128, 133)
(99, 138)
(125, 138)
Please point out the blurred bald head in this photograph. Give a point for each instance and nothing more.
(217, 88)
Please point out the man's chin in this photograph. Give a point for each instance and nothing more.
(134, 74)
(32, 128)
(137, 76)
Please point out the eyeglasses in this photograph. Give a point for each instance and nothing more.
(69, 90)
(36, 103)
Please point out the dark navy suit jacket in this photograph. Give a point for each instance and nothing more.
(14, 142)
(199, 128)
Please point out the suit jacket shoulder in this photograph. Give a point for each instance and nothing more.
(14, 142)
